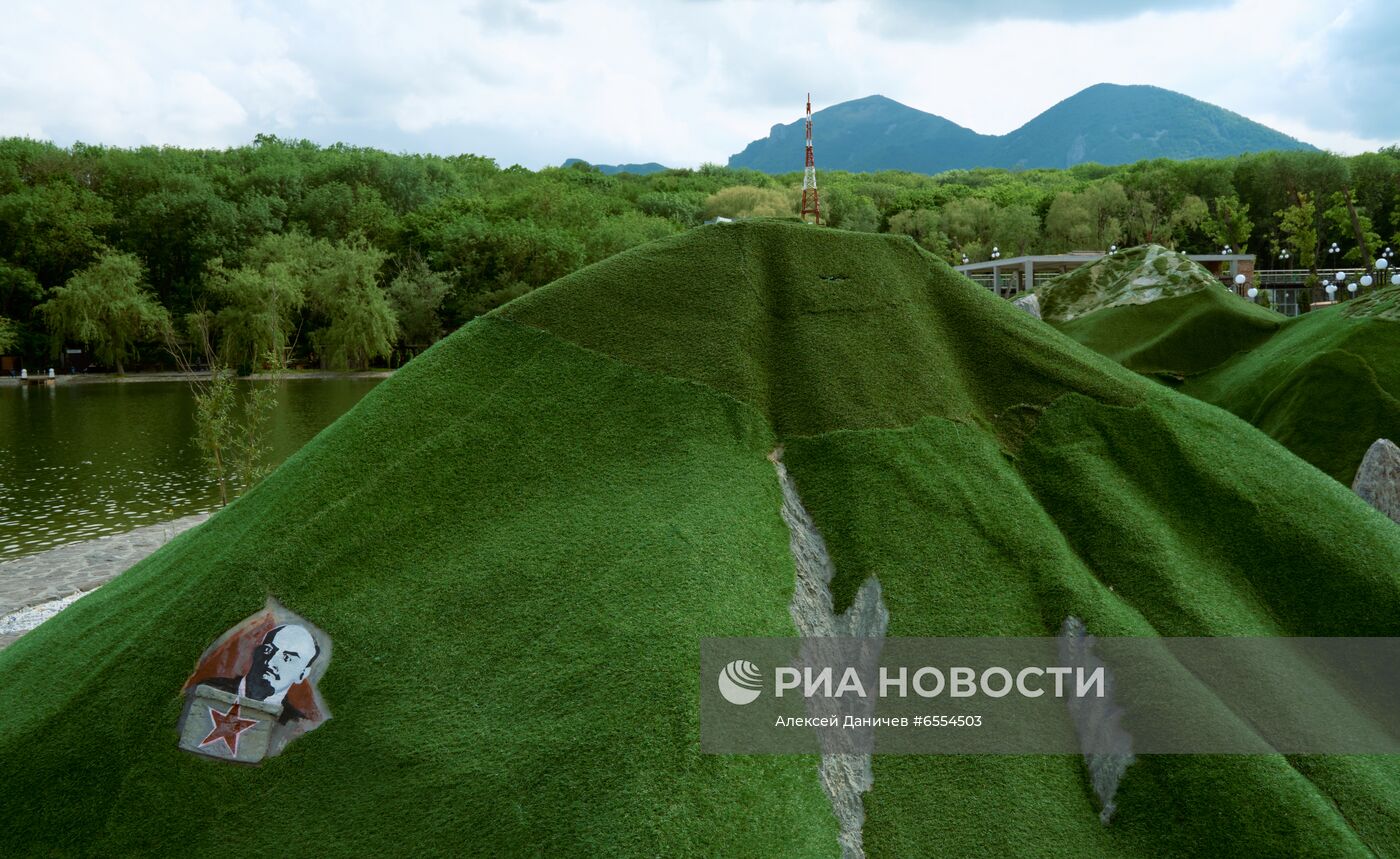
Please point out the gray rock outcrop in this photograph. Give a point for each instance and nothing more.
(1029, 303)
(1378, 479)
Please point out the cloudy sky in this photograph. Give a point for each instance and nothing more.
(536, 81)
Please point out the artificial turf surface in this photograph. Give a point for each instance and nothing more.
(517, 542)
(1325, 384)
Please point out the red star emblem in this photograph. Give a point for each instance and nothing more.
(227, 727)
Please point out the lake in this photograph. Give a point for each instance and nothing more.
(78, 460)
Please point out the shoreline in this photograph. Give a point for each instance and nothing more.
(36, 587)
(175, 376)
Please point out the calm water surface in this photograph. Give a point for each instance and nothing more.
(81, 460)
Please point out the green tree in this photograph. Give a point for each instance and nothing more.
(1298, 225)
(260, 309)
(416, 295)
(744, 201)
(1229, 223)
(845, 209)
(249, 444)
(686, 208)
(1090, 219)
(969, 223)
(176, 230)
(1016, 229)
(232, 440)
(107, 306)
(1348, 219)
(343, 288)
(52, 230)
(922, 226)
(9, 335)
(19, 293)
(620, 232)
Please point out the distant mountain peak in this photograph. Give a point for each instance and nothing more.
(614, 169)
(1107, 123)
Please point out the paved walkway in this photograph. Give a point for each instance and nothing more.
(62, 572)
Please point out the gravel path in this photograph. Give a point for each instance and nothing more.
(36, 587)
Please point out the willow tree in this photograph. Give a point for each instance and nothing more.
(416, 295)
(108, 307)
(9, 335)
(261, 308)
(344, 290)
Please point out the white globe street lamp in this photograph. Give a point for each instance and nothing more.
(1331, 291)
(1252, 293)
(1382, 264)
(1366, 280)
(1341, 276)
(1395, 279)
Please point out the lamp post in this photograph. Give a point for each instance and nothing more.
(1338, 279)
(996, 272)
(1113, 249)
(1239, 282)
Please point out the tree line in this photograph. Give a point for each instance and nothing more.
(286, 250)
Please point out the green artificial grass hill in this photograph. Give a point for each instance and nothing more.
(1326, 384)
(518, 541)
(1179, 336)
(1132, 276)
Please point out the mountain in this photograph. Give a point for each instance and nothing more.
(518, 542)
(1106, 123)
(614, 169)
(871, 133)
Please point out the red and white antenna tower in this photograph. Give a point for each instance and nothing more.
(810, 204)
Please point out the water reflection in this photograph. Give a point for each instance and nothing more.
(81, 460)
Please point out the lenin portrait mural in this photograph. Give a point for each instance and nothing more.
(254, 689)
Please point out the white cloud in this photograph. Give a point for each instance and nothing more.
(680, 83)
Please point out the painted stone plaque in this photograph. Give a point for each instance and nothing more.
(254, 689)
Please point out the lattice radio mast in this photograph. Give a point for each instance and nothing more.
(810, 204)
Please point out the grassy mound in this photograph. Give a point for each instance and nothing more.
(1138, 275)
(517, 542)
(1179, 336)
(1326, 384)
